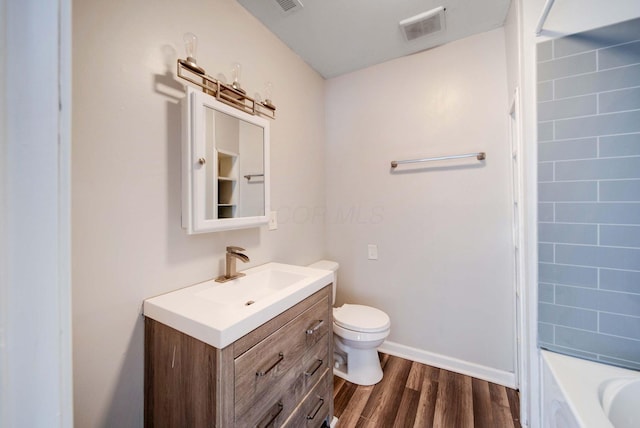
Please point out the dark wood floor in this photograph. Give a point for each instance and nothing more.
(417, 395)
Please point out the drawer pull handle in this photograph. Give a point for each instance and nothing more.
(315, 327)
(315, 369)
(317, 409)
(273, 418)
(273, 366)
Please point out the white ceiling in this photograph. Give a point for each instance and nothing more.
(338, 36)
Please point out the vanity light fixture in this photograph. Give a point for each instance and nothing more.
(232, 94)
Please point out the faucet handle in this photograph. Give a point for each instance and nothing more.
(232, 249)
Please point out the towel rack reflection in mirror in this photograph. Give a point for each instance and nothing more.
(250, 176)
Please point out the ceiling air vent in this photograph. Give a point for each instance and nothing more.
(423, 24)
(290, 5)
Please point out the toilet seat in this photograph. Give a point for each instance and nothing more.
(361, 318)
(364, 339)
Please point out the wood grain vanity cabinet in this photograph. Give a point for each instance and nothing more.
(278, 375)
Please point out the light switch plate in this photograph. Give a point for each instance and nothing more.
(273, 220)
(372, 251)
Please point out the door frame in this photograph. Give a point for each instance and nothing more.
(521, 302)
(35, 214)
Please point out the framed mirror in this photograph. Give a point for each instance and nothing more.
(225, 166)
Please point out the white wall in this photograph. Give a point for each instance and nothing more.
(127, 241)
(512, 43)
(444, 273)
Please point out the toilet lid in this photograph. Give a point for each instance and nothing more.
(361, 318)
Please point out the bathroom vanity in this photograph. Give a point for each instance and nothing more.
(278, 374)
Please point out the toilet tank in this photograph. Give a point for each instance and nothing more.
(332, 266)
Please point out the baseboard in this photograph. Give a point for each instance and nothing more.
(500, 377)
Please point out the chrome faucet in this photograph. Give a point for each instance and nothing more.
(230, 264)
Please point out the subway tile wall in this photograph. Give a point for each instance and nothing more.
(589, 194)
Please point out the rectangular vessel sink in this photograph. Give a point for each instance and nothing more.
(219, 314)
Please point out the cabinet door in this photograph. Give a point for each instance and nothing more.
(180, 389)
(216, 139)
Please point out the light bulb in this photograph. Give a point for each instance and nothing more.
(268, 91)
(236, 70)
(190, 45)
(222, 78)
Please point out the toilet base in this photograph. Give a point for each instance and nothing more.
(362, 367)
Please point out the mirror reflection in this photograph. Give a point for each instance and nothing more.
(235, 184)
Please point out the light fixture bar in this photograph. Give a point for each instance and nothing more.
(226, 93)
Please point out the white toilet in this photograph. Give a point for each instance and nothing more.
(358, 330)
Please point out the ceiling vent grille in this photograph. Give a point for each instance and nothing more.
(423, 24)
(290, 5)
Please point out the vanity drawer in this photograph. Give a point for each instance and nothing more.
(274, 407)
(283, 367)
(315, 408)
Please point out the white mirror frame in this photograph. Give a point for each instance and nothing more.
(193, 180)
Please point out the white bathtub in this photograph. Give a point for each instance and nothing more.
(584, 394)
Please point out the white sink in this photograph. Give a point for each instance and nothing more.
(247, 290)
(219, 314)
